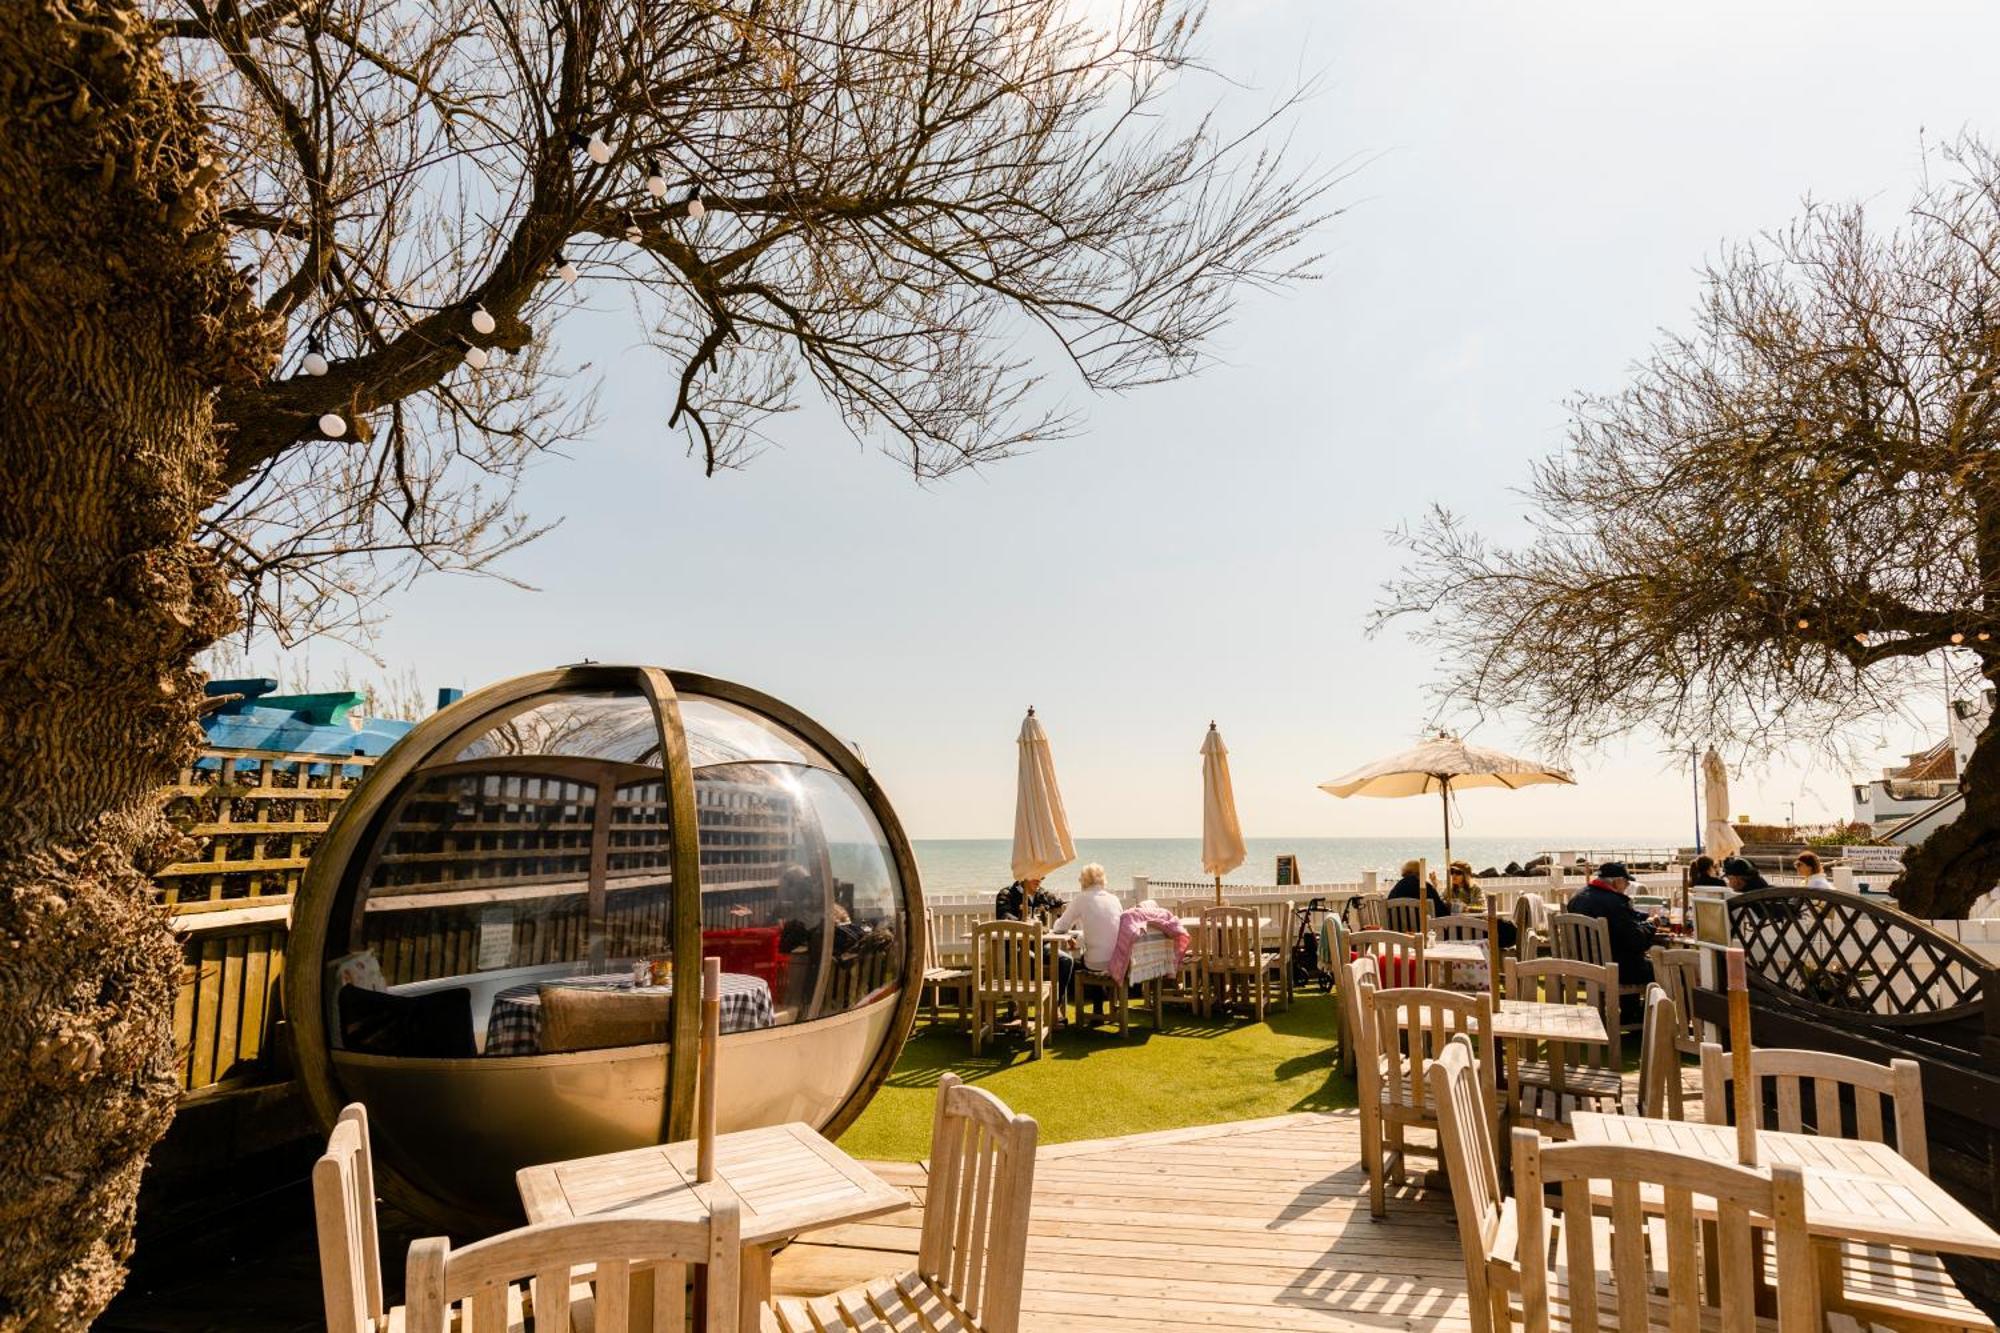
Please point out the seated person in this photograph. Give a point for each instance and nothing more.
(1743, 877)
(1702, 874)
(1407, 887)
(1607, 897)
(1464, 890)
(1812, 870)
(1095, 912)
(1024, 900)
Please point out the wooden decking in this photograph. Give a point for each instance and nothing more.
(1260, 1224)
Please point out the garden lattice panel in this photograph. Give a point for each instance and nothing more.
(258, 814)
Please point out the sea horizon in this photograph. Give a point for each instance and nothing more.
(972, 865)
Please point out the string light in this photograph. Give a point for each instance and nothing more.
(656, 181)
(313, 362)
(565, 270)
(598, 150)
(1861, 638)
(475, 356)
(696, 209)
(482, 321)
(632, 232)
(332, 426)
(1804, 623)
(1958, 638)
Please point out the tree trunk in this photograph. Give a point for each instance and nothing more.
(1960, 863)
(119, 317)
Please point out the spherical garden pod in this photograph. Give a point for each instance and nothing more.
(468, 945)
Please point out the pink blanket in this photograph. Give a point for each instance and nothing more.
(1133, 923)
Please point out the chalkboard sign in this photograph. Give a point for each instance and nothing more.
(1288, 870)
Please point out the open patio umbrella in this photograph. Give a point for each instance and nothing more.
(1444, 764)
(1041, 829)
(1221, 835)
(1719, 839)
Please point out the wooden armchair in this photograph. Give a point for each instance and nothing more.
(1232, 961)
(1010, 970)
(1468, 1139)
(1371, 912)
(482, 1282)
(1398, 957)
(350, 1250)
(1815, 1092)
(1412, 1026)
(1625, 1270)
(939, 978)
(1408, 916)
(1568, 1076)
(1660, 1094)
(1679, 971)
(1586, 939)
(974, 1247)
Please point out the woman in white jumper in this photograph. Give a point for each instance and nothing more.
(1094, 911)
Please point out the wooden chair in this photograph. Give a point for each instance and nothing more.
(974, 1245)
(1679, 970)
(1398, 957)
(1569, 1076)
(1084, 981)
(1336, 942)
(1359, 981)
(1587, 939)
(1232, 959)
(1487, 1227)
(1010, 969)
(481, 1283)
(938, 978)
(1660, 1094)
(1278, 955)
(1412, 1025)
(1852, 1099)
(1371, 912)
(1629, 1271)
(350, 1250)
(1408, 916)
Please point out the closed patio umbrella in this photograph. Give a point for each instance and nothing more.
(1444, 764)
(1041, 829)
(1719, 837)
(1221, 835)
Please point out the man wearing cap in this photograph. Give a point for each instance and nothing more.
(1606, 897)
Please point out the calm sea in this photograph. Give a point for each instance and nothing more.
(953, 866)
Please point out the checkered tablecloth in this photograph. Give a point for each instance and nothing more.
(1152, 958)
(515, 1025)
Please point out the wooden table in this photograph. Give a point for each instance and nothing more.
(1454, 951)
(1534, 1020)
(1855, 1190)
(787, 1178)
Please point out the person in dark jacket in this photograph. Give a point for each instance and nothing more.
(1701, 875)
(1024, 900)
(1607, 898)
(1743, 877)
(1407, 887)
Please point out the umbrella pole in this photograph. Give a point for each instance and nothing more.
(1444, 787)
(1218, 890)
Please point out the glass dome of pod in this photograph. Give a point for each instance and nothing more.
(486, 945)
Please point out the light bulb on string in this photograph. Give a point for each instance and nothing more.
(1861, 638)
(313, 363)
(696, 209)
(656, 181)
(475, 356)
(1804, 623)
(632, 232)
(565, 270)
(1984, 636)
(482, 320)
(1958, 637)
(332, 425)
(598, 150)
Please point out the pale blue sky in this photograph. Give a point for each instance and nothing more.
(1538, 183)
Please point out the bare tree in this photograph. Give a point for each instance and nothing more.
(1770, 534)
(282, 281)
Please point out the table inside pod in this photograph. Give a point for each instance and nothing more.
(488, 935)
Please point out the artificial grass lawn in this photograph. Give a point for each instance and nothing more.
(1091, 1085)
